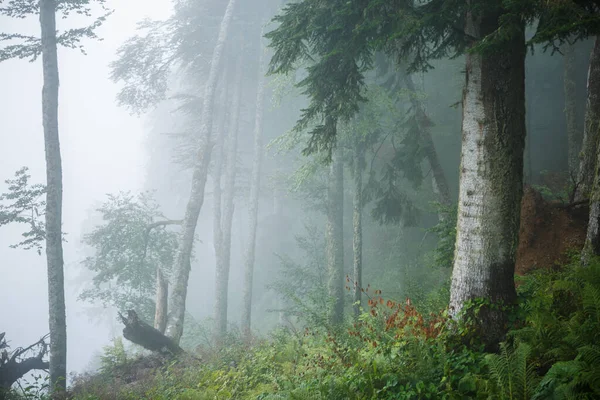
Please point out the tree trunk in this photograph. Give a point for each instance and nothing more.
(162, 284)
(591, 131)
(162, 293)
(574, 134)
(424, 123)
(334, 233)
(54, 251)
(224, 255)
(491, 178)
(591, 247)
(217, 175)
(357, 230)
(254, 191)
(182, 262)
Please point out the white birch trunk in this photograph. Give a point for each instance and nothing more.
(54, 250)
(334, 234)
(591, 131)
(224, 255)
(491, 178)
(182, 262)
(254, 191)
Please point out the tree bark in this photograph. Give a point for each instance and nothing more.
(254, 191)
(424, 123)
(162, 284)
(54, 250)
(491, 178)
(591, 247)
(574, 134)
(334, 233)
(162, 293)
(217, 175)
(200, 172)
(591, 132)
(224, 254)
(359, 166)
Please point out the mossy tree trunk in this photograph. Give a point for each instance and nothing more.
(491, 177)
(335, 241)
(591, 131)
(199, 176)
(54, 186)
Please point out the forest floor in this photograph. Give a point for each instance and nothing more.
(549, 231)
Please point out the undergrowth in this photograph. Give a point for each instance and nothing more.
(393, 351)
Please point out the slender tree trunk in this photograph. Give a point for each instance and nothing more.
(491, 178)
(224, 256)
(591, 131)
(162, 293)
(357, 230)
(162, 284)
(54, 250)
(217, 175)
(200, 172)
(574, 134)
(424, 123)
(254, 191)
(334, 233)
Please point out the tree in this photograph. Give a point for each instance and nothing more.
(334, 234)
(574, 134)
(133, 256)
(591, 131)
(491, 173)
(223, 238)
(31, 48)
(359, 166)
(254, 193)
(182, 261)
(342, 37)
(25, 207)
(565, 23)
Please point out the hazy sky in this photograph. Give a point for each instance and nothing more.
(102, 153)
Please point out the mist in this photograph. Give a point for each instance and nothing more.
(103, 152)
(237, 194)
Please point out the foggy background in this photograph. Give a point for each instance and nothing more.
(102, 152)
(106, 150)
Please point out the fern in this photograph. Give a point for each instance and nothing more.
(514, 376)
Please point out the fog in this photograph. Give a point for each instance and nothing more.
(107, 149)
(103, 152)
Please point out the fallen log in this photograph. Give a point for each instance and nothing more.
(13, 366)
(145, 335)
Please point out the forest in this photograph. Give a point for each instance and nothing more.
(300, 199)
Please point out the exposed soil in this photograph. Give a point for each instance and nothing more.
(548, 231)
